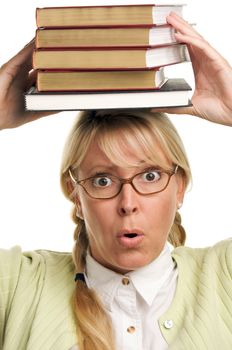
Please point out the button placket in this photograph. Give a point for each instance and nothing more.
(130, 322)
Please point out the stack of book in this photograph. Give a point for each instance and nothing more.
(96, 57)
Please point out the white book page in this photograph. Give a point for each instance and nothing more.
(159, 13)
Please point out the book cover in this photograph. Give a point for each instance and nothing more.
(99, 80)
(109, 58)
(100, 37)
(103, 16)
(175, 92)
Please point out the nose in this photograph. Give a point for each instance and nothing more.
(127, 200)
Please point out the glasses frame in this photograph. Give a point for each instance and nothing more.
(128, 180)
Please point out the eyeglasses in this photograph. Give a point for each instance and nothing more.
(106, 186)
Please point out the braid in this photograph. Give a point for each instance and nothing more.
(177, 235)
(94, 329)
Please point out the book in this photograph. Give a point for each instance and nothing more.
(99, 80)
(103, 16)
(175, 92)
(99, 37)
(113, 58)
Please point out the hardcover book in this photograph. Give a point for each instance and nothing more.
(99, 37)
(175, 92)
(113, 58)
(104, 16)
(99, 80)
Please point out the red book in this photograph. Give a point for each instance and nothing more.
(105, 16)
(110, 59)
(99, 80)
(100, 37)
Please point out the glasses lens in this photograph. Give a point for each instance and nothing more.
(102, 186)
(150, 181)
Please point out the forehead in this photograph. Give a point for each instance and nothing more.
(122, 152)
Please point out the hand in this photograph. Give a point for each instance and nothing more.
(212, 98)
(16, 77)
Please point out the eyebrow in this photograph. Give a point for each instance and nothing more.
(104, 168)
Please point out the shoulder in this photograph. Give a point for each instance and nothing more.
(14, 261)
(35, 290)
(18, 268)
(216, 258)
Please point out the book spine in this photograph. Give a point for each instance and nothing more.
(82, 38)
(84, 16)
(113, 80)
(143, 58)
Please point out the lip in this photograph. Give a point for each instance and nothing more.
(130, 242)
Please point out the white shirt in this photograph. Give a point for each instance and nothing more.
(136, 301)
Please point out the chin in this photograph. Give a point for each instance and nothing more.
(127, 264)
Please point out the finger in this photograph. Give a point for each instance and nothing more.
(199, 43)
(181, 25)
(175, 110)
(179, 19)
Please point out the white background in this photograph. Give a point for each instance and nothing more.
(33, 211)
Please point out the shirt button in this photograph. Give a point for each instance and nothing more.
(125, 281)
(168, 324)
(131, 329)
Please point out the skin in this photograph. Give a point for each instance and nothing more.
(104, 219)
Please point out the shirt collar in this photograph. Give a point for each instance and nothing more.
(104, 281)
(147, 280)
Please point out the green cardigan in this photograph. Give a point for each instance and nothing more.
(36, 288)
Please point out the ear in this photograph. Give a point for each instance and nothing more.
(181, 188)
(77, 203)
(79, 213)
(70, 186)
(74, 198)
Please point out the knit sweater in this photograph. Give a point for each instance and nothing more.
(36, 312)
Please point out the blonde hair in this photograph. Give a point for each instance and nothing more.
(143, 131)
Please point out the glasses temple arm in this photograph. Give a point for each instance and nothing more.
(71, 175)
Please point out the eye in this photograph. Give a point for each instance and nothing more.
(151, 176)
(101, 181)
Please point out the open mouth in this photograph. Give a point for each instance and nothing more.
(130, 239)
(130, 235)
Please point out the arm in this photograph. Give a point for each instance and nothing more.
(16, 76)
(9, 271)
(212, 98)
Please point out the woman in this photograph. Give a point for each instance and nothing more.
(126, 173)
